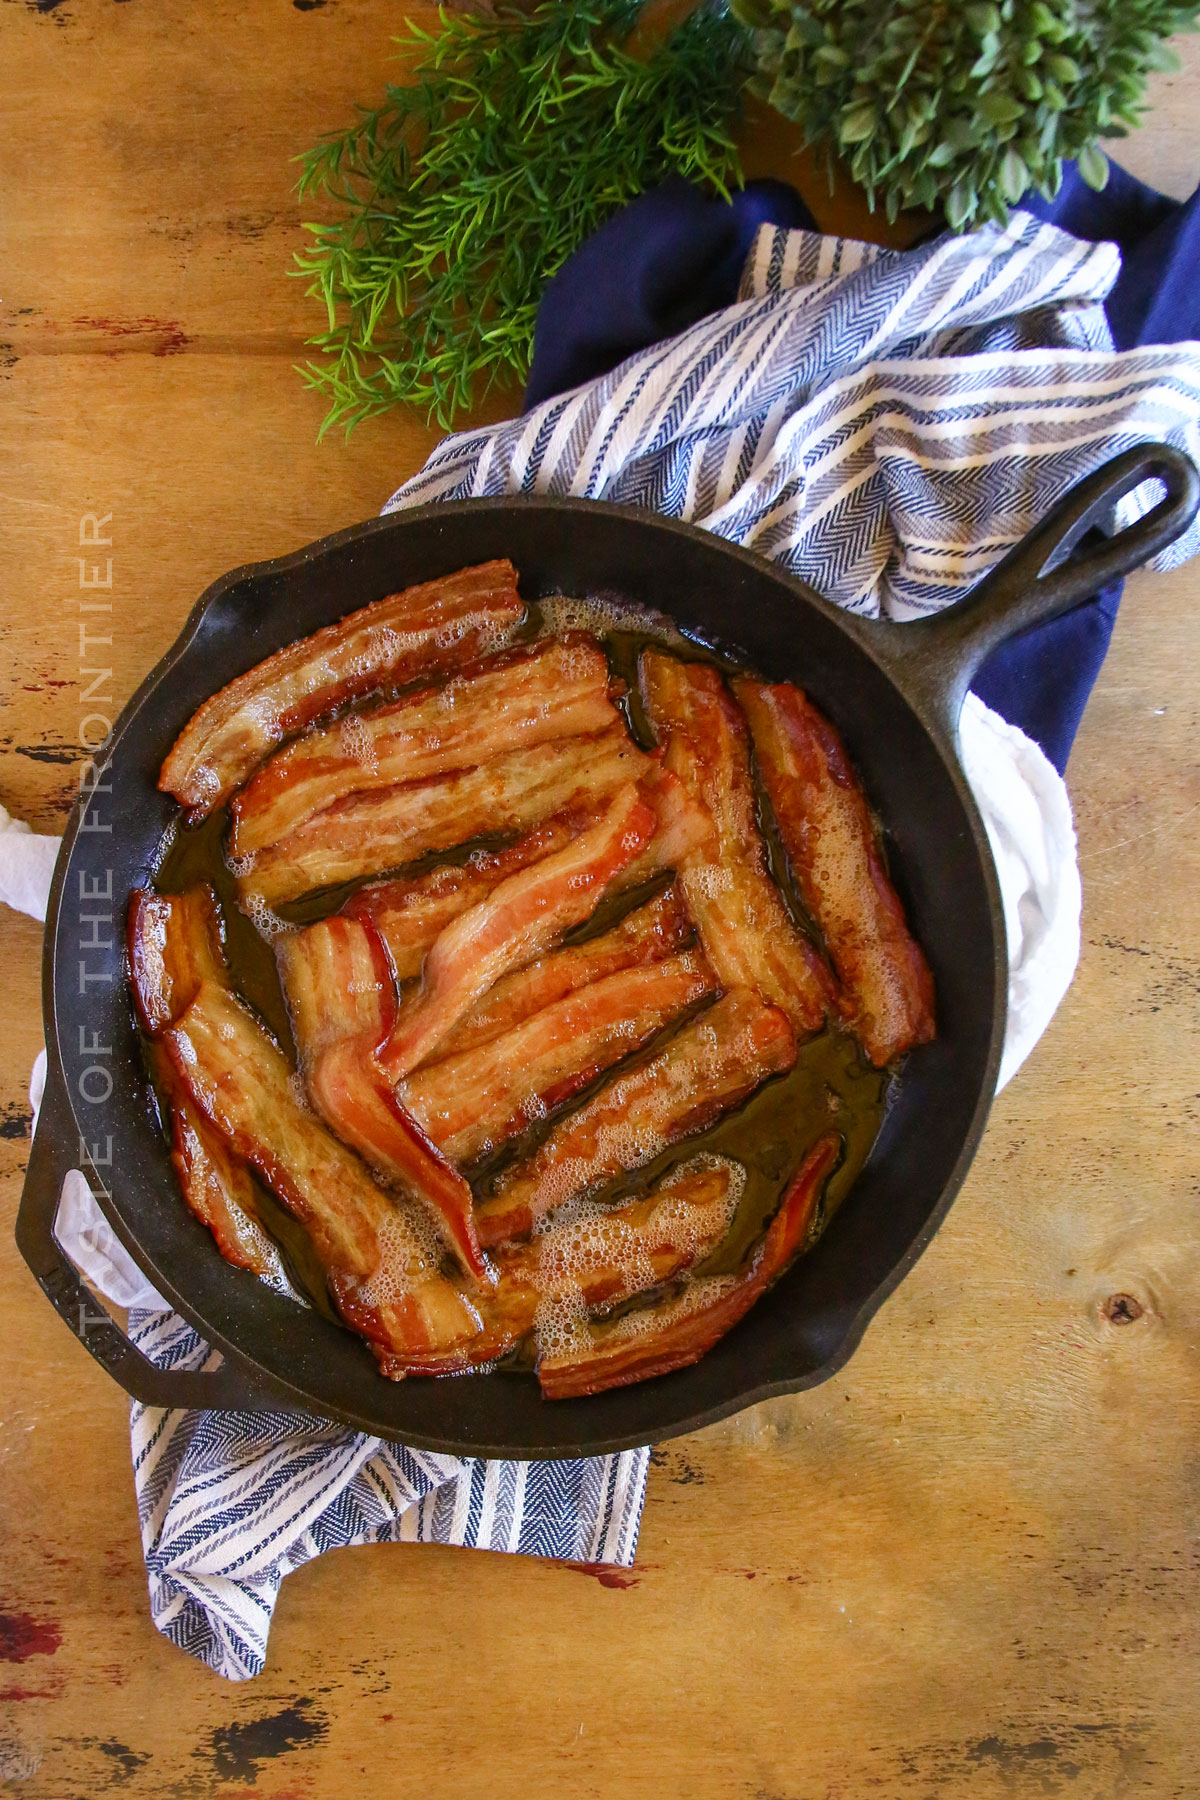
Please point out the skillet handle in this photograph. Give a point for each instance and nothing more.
(935, 659)
(222, 1390)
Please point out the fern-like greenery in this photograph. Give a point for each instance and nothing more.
(466, 190)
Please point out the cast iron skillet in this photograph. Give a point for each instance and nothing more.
(894, 691)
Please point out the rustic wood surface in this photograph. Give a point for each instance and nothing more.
(965, 1567)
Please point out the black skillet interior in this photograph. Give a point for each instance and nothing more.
(802, 1331)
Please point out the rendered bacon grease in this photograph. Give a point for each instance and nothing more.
(533, 969)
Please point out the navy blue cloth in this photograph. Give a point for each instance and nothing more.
(670, 257)
(674, 254)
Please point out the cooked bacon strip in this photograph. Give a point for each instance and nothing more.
(649, 934)
(370, 832)
(174, 946)
(382, 1277)
(654, 1342)
(834, 852)
(558, 690)
(217, 1187)
(606, 1256)
(684, 826)
(432, 628)
(174, 943)
(216, 1184)
(342, 999)
(521, 917)
(337, 982)
(351, 1093)
(713, 1064)
(739, 914)
(410, 914)
(471, 1102)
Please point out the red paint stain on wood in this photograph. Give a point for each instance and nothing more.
(53, 1692)
(169, 331)
(23, 1636)
(604, 1573)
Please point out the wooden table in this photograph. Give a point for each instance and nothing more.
(965, 1567)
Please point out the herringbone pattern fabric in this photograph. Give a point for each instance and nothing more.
(230, 1503)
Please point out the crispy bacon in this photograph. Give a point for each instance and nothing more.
(609, 1254)
(217, 1187)
(671, 1336)
(410, 914)
(834, 852)
(471, 1102)
(520, 918)
(739, 914)
(432, 628)
(713, 1064)
(337, 982)
(174, 946)
(382, 1276)
(370, 832)
(216, 1184)
(351, 1093)
(684, 826)
(174, 943)
(558, 690)
(342, 999)
(649, 934)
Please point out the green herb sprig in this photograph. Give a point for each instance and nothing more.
(961, 104)
(466, 190)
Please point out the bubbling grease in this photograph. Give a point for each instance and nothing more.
(600, 614)
(585, 1239)
(268, 924)
(409, 1253)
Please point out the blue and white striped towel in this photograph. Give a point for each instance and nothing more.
(885, 424)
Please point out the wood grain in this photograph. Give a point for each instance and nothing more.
(966, 1567)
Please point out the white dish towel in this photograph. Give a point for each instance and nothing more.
(885, 424)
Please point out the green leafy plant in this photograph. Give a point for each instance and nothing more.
(464, 191)
(961, 104)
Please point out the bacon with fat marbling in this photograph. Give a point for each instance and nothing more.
(741, 918)
(712, 1065)
(680, 1331)
(648, 934)
(216, 1185)
(557, 690)
(368, 833)
(410, 913)
(472, 1102)
(602, 1258)
(351, 1092)
(518, 920)
(174, 942)
(835, 857)
(337, 982)
(429, 629)
(382, 1276)
(341, 997)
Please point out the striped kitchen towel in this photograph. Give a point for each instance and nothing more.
(230, 1503)
(886, 425)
